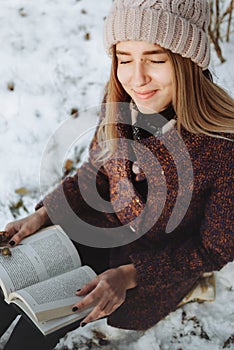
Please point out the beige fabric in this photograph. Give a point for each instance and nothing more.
(178, 25)
(204, 290)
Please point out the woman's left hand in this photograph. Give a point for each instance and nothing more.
(106, 292)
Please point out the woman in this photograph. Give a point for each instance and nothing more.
(181, 127)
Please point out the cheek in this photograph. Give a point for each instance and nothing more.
(165, 76)
(168, 78)
(123, 75)
(170, 89)
(119, 75)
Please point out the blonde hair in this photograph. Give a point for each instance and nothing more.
(201, 106)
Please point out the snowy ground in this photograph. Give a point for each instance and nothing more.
(52, 64)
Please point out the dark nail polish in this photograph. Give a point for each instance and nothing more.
(75, 308)
(83, 324)
(78, 290)
(12, 243)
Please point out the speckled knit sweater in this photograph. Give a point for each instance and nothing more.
(167, 264)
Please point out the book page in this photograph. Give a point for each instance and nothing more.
(47, 327)
(41, 256)
(55, 297)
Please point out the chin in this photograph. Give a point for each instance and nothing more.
(149, 109)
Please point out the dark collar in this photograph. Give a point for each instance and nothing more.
(151, 124)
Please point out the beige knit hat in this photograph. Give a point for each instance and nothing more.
(178, 25)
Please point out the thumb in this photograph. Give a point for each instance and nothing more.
(17, 237)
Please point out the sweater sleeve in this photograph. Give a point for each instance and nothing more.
(67, 197)
(209, 250)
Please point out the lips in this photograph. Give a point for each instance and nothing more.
(145, 95)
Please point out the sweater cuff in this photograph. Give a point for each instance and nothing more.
(39, 205)
(145, 271)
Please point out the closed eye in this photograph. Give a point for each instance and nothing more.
(158, 61)
(124, 62)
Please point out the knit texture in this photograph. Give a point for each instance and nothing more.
(178, 25)
(167, 265)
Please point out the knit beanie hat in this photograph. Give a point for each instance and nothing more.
(178, 25)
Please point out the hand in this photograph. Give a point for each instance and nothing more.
(19, 229)
(106, 292)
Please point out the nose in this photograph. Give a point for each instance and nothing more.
(140, 75)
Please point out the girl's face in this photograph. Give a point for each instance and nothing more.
(145, 72)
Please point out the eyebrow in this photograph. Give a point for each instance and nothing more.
(153, 52)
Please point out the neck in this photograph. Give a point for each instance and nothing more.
(145, 125)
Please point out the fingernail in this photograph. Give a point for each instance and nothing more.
(75, 308)
(78, 290)
(12, 243)
(83, 324)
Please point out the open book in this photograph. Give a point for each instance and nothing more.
(41, 277)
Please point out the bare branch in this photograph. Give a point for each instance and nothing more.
(229, 21)
(218, 19)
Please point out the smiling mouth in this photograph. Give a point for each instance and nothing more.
(145, 95)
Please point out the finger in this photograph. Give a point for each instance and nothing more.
(10, 228)
(88, 287)
(88, 301)
(101, 310)
(17, 238)
(111, 307)
(95, 314)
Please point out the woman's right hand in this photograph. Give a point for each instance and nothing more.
(19, 229)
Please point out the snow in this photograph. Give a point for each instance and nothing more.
(52, 57)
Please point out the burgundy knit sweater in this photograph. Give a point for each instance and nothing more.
(167, 264)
